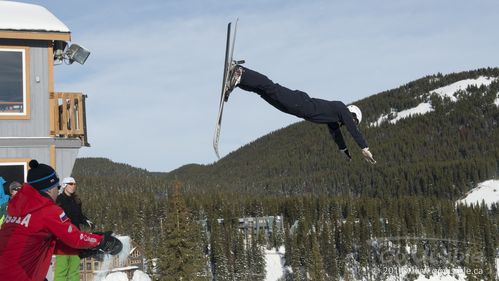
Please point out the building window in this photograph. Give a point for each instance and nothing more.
(14, 90)
(13, 170)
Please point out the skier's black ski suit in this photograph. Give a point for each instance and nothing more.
(299, 104)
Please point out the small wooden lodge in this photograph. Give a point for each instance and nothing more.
(37, 121)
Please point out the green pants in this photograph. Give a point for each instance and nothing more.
(67, 268)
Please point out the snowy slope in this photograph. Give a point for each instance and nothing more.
(487, 191)
(274, 264)
(450, 90)
(425, 107)
(420, 109)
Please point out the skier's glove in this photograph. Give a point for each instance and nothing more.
(346, 154)
(86, 253)
(368, 155)
(90, 224)
(109, 244)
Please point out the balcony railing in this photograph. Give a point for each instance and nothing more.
(68, 118)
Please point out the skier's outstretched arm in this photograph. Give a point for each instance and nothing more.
(334, 130)
(357, 136)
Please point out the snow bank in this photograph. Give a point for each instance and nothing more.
(120, 276)
(116, 276)
(487, 191)
(140, 276)
(274, 264)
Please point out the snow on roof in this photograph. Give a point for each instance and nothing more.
(22, 16)
(487, 191)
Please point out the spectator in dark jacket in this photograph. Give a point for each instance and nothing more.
(67, 262)
(71, 203)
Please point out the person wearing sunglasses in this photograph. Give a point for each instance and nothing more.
(334, 114)
(67, 261)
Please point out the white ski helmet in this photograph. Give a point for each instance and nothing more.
(355, 111)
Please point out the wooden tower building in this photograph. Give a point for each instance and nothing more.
(36, 121)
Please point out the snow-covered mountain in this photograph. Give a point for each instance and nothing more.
(448, 91)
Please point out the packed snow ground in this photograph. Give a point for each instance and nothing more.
(120, 276)
(425, 107)
(274, 264)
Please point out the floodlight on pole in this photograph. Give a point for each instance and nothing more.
(77, 53)
(74, 53)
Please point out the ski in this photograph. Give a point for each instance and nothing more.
(224, 96)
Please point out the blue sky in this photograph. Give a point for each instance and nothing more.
(154, 76)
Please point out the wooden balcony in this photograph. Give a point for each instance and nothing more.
(67, 116)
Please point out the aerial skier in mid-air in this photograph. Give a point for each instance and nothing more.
(332, 113)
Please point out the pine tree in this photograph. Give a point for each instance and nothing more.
(314, 262)
(181, 256)
(277, 234)
(219, 260)
(257, 255)
(241, 269)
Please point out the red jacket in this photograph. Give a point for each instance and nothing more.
(28, 236)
